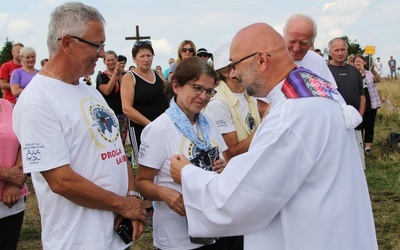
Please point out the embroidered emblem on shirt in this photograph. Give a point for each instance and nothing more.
(304, 83)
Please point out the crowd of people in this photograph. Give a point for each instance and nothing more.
(226, 147)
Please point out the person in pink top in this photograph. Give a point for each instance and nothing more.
(12, 181)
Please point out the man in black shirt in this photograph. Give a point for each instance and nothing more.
(349, 82)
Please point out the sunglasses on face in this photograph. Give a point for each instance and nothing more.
(140, 43)
(184, 50)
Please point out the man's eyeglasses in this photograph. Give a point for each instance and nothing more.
(233, 64)
(184, 50)
(140, 43)
(98, 47)
(198, 89)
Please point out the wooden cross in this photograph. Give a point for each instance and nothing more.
(137, 37)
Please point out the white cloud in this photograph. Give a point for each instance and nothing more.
(205, 22)
(327, 6)
(162, 47)
(20, 27)
(3, 25)
(345, 6)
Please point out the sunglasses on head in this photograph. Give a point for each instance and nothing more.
(191, 50)
(140, 43)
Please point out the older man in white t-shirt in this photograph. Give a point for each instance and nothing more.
(299, 34)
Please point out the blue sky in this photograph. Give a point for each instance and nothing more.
(369, 22)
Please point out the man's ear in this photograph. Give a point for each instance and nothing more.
(263, 60)
(225, 73)
(65, 43)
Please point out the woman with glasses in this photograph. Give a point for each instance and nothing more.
(108, 83)
(186, 50)
(182, 129)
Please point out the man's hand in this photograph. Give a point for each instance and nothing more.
(138, 227)
(133, 209)
(16, 176)
(177, 163)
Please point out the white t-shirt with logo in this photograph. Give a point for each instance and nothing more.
(58, 124)
(160, 140)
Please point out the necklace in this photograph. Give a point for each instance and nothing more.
(52, 74)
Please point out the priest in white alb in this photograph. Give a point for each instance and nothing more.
(301, 185)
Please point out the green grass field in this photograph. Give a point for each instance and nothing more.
(383, 176)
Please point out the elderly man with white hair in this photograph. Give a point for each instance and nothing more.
(299, 34)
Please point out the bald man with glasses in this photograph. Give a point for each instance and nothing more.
(301, 185)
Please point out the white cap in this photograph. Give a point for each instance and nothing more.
(221, 52)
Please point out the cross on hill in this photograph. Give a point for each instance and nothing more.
(137, 37)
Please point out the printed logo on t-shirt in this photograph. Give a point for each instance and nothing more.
(101, 122)
(250, 121)
(190, 150)
(33, 154)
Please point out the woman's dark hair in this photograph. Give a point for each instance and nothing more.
(190, 70)
(141, 45)
(122, 58)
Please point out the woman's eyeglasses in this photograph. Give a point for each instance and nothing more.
(140, 43)
(198, 89)
(184, 50)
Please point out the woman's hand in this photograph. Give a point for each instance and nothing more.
(16, 176)
(174, 200)
(219, 165)
(10, 194)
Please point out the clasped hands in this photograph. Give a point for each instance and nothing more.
(16, 176)
(133, 209)
(178, 162)
(14, 182)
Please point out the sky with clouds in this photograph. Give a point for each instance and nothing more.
(369, 22)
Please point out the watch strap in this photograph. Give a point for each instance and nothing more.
(134, 193)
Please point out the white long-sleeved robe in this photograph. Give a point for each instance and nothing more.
(301, 185)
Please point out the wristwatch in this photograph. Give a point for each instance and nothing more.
(134, 193)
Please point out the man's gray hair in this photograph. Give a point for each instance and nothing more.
(334, 39)
(305, 17)
(70, 19)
